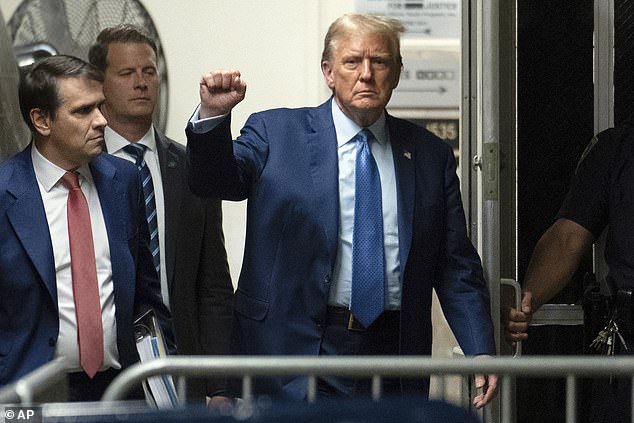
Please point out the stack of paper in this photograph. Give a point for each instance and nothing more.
(159, 390)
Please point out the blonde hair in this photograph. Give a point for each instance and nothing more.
(358, 24)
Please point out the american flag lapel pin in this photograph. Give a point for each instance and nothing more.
(407, 155)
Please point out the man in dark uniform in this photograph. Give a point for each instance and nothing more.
(601, 195)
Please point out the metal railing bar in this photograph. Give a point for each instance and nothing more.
(368, 366)
(181, 389)
(377, 386)
(312, 388)
(505, 398)
(571, 399)
(247, 387)
(23, 390)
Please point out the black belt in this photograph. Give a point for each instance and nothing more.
(83, 388)
(341, 316)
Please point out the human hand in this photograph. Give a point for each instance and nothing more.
(220, 91)
(221, 403)
(486, 387)
(516, 322)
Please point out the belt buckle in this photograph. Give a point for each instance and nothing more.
(354, 324)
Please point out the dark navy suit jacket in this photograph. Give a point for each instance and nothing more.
(285, 163)
(200, 289)
(29, 319)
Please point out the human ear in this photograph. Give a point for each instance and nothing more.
(328, 74)
(41, 121)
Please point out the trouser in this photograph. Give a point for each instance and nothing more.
(343, 335)
(83, 388)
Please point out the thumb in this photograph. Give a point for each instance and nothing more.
(479, 381)
(527, 300)
(239, 84)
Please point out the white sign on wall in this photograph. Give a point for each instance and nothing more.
(422, 18)
(430, 79)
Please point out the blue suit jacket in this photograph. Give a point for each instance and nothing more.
(285, 163)
(29, 319)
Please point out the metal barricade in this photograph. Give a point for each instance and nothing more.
(377, 367)
(571, 368)
(25, 390)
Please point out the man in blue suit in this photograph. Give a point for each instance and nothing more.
(300, 170)
(39, 307)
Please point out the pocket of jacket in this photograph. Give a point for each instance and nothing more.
(250, 307)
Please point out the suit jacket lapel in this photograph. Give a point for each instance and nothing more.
(322, 145)
(28, 219)
(172, 172)
(404, 152)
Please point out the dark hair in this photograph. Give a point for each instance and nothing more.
(124, 33)
(39, 88)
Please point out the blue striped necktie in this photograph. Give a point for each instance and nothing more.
(136, 151)
(368, 263)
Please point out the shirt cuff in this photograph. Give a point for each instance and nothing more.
(200, 126)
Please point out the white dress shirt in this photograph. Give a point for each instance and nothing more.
(114, 145)
(54, 196)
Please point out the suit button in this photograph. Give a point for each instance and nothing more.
(327, 279)
(51, 342)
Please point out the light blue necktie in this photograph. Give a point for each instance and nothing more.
(368, 263)
(136, 151)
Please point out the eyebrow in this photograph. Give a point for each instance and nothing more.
(93, 105)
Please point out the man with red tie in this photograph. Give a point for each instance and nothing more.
(75, 267)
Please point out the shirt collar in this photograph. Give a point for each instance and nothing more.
(346, 128)
(115, 142)
(48, 173)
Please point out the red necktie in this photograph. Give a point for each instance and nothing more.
(84, 274)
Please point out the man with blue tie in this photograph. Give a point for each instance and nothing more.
(354, 216)
(186, 237)
(75, 267)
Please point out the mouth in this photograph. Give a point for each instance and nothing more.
(97, 140)
(366, 93)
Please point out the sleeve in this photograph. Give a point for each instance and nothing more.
(212, 169)
(214, 291)
(587, 200)
(461, 287)
(220, 167)
(200, 126)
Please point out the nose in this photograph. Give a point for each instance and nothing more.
(100, 120)
(140, 80)
(366, 70)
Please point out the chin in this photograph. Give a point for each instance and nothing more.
(97, 148)
(368, 103)
(373, 107)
